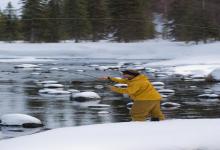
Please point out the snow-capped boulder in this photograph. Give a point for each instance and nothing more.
(103, 112)
(208, 91)
(54, 92)
(26, 66)
(99, 86)
(103, 68)
(129, 105)
(208, 96)
(93, 65)
(170, 105)
(166, 91)
(35, 73)
(164, 96)
(119, 85)
(73, 91)
(99, 107)
(198, 76)
(193, 87)
(20, 120)
(80, 70)
(53, 86)
(48, 82)
(214, 76)
(158, 85)
(58, 69)
(85, 96)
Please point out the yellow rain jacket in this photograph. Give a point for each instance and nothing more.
(139, 88)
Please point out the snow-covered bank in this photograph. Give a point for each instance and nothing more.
(186, 59)
(151, 49)
(165, 135)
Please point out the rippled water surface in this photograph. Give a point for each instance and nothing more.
(19, 94)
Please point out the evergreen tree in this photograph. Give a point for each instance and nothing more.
(192, 21)
(9, 27)
(98, 14)
(2, 24)
(132, 20)
(77, 23)
(52, 29)
(33, 13)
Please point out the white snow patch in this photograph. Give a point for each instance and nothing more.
(92, 95)
(99, 86)
(27, 66)
(18, 119)
(158, 84)
(53, 86)
(166, 91)
(170, 105)
(120, 85)
(188, 134)
(54, 91)
(47, 82)
(208, 96)
(73, 91)
(99, 107)
(215, 74)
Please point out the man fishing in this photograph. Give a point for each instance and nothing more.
(146, 99)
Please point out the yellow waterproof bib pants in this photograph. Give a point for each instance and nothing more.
(141, 110)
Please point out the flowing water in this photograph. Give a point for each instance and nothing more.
(19, 94)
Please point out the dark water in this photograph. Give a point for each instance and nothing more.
(19, 94)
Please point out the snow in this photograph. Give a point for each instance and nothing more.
(151, 49)
(53, 85)
(215, 74)
(47, 82)
(18, 119)
(54, 92)
(87, 95)
(26, 66)
(170, 104)
(165, 135)
(99, 107)
(201, 69)
(74, 91)
(99, 86)
(158, 84)
(120, 85)
(166, 91)
(182, 58)
(208, 96)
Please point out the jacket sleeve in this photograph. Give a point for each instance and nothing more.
(130, 90)
(118, 80)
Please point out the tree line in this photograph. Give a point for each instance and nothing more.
(118, 20)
